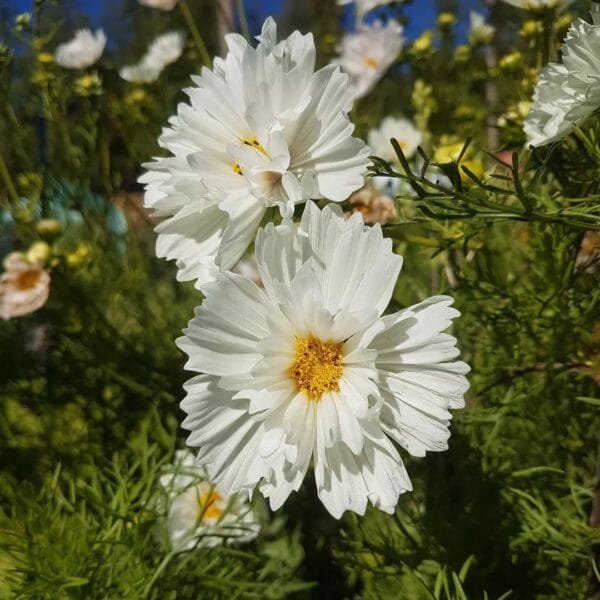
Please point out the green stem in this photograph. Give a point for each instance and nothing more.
(243, 20)
(10, 186)
(198, 41)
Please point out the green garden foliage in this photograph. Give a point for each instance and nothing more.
(90, 383)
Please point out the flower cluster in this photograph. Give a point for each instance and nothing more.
(305, 366)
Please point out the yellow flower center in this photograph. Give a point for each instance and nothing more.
(27, 279)
(402, 144)
(317, 366)
(253, 143)
(371, 62)
(208, 505)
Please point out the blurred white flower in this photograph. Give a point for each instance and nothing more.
(309, 369)
(163, 51)
(364, 6)
(82, 51)
(263, 129)
(166, 48)
(568, 93)
(160, 4)
(198, 515)
(537, 4)
(140, 73)
(402, 130)
(24, 287)
(367, 54)
(480, 31)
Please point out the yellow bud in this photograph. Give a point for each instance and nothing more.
(523, 108)
(49, 228)
(564, 21)
(446, 19)
(423, 42)
(39, 252)
(78, 256)
(85, 82)
(462, 53)
(511, 61)
(138, 95)
(531, 28)
(45, 58)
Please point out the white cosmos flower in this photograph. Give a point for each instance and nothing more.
(262, 129)
(163, 51)
(367, 54)
(165, 5)
(567, 93)
(537, 4)
(309, 367)
(198, 514)
(402, 130)
(82, 51)
(480, 31)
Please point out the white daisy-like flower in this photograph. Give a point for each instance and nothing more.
(480, 31)
(567, 93)
(309, 367)
(367, 54)
(261, 130)
(538, 4)
(198, 514)
(163, 51)
(82, 51)
(402, 130)
(364, 6)
(165, 5)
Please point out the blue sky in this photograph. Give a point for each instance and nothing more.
(421, 12)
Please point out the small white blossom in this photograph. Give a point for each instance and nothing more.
(82, 51)
(480, 31)
(367, 54)
(163, 51)
(364, 6)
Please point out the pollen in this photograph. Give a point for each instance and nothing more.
(254, 143)
(317, 366)
(371, 62)
(27, 279)
(208, 505)
(235, 167)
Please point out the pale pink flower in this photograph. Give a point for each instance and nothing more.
(24, 287)
(375, 208)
